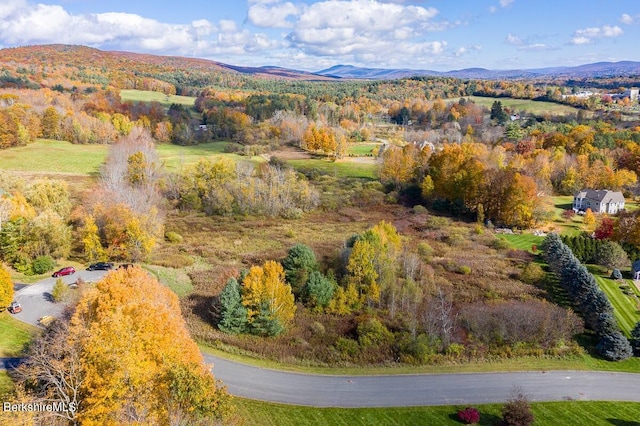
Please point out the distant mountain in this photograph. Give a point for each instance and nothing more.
(598, 69)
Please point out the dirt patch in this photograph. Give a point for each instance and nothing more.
(289, 153)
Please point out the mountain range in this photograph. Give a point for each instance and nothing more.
(51, 57)
(598, 69)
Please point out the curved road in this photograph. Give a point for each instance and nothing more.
(378, 391)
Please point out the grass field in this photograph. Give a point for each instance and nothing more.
(527, 105)
(149, 96)
(342, 168)
(523, 241)
(14, 335)
(51, 156)
(548, 413)
(175, 157)
(362, 149)
(626, 308)
(176, 279)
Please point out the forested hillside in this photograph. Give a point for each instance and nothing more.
(323, 222)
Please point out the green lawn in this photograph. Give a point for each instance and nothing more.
(547, 413)
(534, 107)
(524, 241)
(625, 307)
(176, 279)
(14, 335)
(338, 168)
(175, 157)
(362, 149)
(149, 96)
(52, 156)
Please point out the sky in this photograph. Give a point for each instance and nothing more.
(310, 35)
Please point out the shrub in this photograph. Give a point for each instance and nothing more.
(635, 339)
(469, 415)
(424, 249)
(43, 264)
(419, 209)
(318, 290)
(60, 291)
(464, 270)
(614, 346)
(532, 273)
(173, 237)
(616, 274)
(371, 332)
(517, 410)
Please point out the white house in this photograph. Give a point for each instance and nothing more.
(599, 201)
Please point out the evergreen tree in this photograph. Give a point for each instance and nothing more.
(614, 346)
(233, 313)
(635, 339)
(318, 290)
(298, 265)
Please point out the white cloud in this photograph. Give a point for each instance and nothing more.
(514, 40)
(272, 14)
(367, 29)
(505, 3)
(588, 35)
(626, 19)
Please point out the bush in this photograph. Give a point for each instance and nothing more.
(464, 270)
(173, 237)
(635, 339)
(469, 415)
(43, 264)
(532, 273)
(616, 274)
(60, 291)
(517, 410)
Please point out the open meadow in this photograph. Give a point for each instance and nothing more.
(131, 95)
(516, 105)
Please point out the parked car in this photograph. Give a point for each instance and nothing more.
(69, 270)
(15, 308)
(100, 266)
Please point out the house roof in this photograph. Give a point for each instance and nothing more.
(601, 195)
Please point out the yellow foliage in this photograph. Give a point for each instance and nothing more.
(136, 351)
(266, 284)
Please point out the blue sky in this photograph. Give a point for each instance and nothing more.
(312, 35)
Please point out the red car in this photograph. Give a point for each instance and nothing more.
(69, 270)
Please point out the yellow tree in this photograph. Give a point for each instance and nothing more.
(589, 219)
(93, 249)
(139, 364)
(362, 273)
(268, 298)
(6, 288)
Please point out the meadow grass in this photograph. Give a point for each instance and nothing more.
(625, 307)
(176, 279)
(6, 384)
(362, 149)
(14, 335)
(527, 105)
(131, 95)
(524, 241)
(592, 413)
(175, 157)
(49, 156)
(342, 168)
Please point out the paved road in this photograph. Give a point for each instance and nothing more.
(374, 391)
(36, 298)
(418, 390)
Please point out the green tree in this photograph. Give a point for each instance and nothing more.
(59, 291)
(318, 290)
(611, 255)
(233, 314)
(497, 113)
(298, 265)
(6, 288)
(635, 339)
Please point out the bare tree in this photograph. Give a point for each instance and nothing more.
(52, 374)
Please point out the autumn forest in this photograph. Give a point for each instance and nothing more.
(310, 221)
